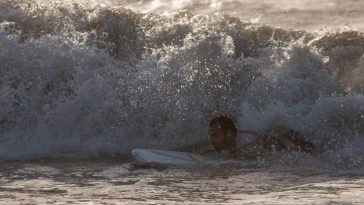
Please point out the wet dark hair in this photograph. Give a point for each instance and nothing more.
(226, 124)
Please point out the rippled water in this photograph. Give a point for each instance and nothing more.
(92, 182)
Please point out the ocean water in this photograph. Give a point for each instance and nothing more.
(109, 182)
(82, 80)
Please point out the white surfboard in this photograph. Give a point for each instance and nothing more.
(156, 157)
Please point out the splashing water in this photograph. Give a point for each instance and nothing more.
(94, 78)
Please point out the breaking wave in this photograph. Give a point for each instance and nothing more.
(89, 80)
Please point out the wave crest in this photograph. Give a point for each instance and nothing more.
(102, 79)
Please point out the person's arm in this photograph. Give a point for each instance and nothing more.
(292, 139)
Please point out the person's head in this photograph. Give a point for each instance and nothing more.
(223, 134)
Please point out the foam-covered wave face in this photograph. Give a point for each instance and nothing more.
(90, 80)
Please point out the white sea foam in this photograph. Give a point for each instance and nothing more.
(84, 80)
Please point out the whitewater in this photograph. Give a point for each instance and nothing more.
(82, 83)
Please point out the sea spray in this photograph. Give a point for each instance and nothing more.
(84, 80)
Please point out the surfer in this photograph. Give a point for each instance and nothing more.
(224, 136)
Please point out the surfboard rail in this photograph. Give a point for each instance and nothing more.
(156, 157)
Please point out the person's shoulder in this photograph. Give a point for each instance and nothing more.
(292, 139)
